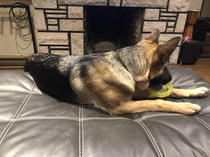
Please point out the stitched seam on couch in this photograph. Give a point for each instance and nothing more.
(202, 122)
(162, 115)
(19, 91)
(94, 118)
(81, 133)
(83, 136)
(206, 126)
(72, 118)
(180, 85)
(17, 114)
(151, 138)
(203, 113)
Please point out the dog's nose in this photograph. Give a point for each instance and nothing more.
(166, 76)
(166, 80)
(162, 79)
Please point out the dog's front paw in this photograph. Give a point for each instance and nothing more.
(189, 109)
(200, 92)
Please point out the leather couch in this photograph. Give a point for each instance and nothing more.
(33, 124)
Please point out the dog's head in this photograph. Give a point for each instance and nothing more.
(158, 57)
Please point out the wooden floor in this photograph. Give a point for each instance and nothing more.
(202, 67)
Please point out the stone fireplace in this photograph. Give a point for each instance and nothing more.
(78, 27)
(111, 28)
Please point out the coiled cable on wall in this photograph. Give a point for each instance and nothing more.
(19, 20)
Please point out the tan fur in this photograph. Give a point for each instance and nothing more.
(155, 105)
(187, 93)
(161, 105)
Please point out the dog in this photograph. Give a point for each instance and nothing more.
(114, 81)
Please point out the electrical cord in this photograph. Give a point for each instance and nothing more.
(20, 21)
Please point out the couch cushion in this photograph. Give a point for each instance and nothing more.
(35, 124)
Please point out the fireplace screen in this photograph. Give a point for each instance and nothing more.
(111, 28)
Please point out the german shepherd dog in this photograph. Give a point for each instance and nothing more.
(115, 81)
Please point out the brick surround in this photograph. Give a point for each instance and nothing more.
(60, 23)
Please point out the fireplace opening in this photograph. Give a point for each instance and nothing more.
(111, 28)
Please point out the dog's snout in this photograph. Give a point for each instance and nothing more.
(166, 80)
(162, 79)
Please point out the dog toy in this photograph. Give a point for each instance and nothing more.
(160, 94)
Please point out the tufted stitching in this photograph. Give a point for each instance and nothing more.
(186, 84)
(207, 126)
(20, 91)
(71, 118)
(3, 134)
(152, 139)
(79, 132)
(202, 122)
(94, 118)
(83, 138)
(203, 113)
(64, 118)
(162, 115)
(48, 118)
(17, 114)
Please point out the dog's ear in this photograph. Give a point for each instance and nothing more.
(164, 51)
(154, 36)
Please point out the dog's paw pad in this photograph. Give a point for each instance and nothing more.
(202, 92)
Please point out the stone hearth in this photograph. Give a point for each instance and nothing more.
(61, 24)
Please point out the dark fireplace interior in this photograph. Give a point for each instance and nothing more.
(111, 28)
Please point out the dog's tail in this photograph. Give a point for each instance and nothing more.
(25, 66)
(28, 62)
(38, 59)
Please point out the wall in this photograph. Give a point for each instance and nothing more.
(206, 11)
(195, 4)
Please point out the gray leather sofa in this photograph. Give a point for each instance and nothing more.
(33, 124)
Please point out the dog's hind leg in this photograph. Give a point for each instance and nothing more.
(155, 105)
